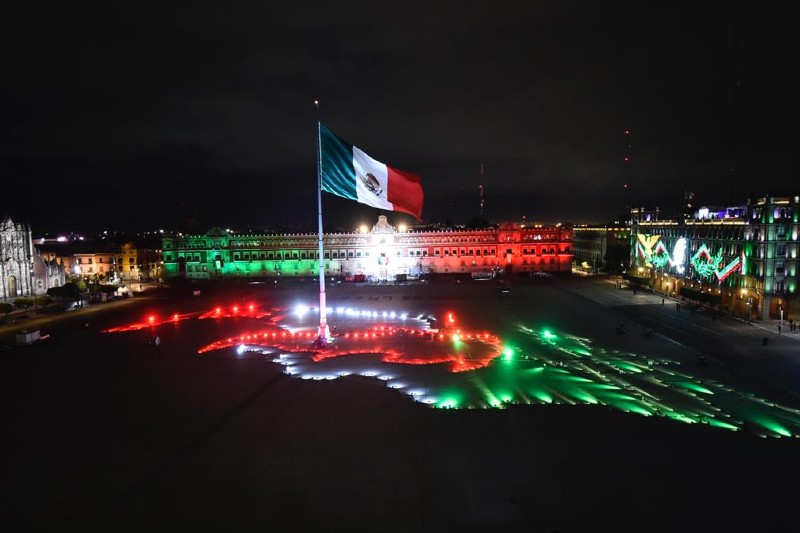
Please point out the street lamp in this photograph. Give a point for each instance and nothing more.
(33, 292)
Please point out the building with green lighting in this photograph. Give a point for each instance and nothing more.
(382, 253)
(741, 259)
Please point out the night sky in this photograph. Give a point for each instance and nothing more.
(201, 114)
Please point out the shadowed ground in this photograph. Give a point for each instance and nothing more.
(108, 432)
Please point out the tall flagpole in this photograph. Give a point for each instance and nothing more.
(323, 323)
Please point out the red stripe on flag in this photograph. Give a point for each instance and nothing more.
(404, 192)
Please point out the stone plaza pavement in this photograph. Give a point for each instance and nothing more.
(105, 432)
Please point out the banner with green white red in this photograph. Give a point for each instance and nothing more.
(347, 171)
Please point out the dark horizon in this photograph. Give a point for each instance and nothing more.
(140, 120)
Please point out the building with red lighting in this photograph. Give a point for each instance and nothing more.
(382, 253)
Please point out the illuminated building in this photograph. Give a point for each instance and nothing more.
(382, 253)
(137, 262)
(602, 248)
(23, 270)
(744, 259)
(93, 266)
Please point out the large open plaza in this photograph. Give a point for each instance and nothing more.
(562, 404)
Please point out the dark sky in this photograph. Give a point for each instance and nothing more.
(131, 117)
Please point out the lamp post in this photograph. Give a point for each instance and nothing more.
(33, 291)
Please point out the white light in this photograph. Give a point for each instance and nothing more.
(339, 310)
(385, 314)
(240, 349)
(300, 310)
(404, 315)
(392, 314)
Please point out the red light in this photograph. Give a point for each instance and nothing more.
(151, 318)
(251, 308)
(626, 159)
(235, 308)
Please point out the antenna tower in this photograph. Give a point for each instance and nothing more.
(480, 189)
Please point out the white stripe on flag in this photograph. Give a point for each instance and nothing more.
(367, 191)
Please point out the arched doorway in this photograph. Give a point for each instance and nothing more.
(11, 283)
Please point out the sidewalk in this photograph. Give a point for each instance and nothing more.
(769, 324)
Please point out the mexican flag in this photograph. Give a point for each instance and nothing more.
(350, 173)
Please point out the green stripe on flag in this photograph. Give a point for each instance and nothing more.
(336, 165)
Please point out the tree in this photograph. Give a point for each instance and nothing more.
(23, 302)
(68, 291)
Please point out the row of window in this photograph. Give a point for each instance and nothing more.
(337, 254)
(119, 260)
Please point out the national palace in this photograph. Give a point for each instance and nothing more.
(382, 253)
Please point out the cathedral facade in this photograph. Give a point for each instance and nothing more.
(23, 271)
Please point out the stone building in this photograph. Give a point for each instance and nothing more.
(382, 253)
(23, 271)
(744, 259)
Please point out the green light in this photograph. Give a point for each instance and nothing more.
(508, 353)
(448, 403)
(690, 385)
(586, 398)
(774, 427)
(720, 424)
(542, 396)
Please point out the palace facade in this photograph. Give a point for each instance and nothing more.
(383, 253)
(743, 259)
